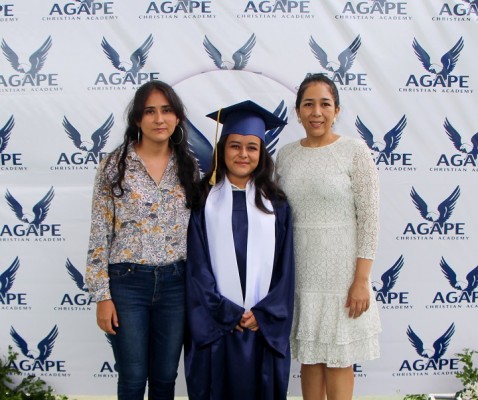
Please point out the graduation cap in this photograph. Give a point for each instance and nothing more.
(245, 118)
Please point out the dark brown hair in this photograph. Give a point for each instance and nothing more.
(261, 176)
(186, 164)
(317, 78)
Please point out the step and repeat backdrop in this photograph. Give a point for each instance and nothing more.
(407, 76)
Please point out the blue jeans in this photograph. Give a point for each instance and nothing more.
(150, 303)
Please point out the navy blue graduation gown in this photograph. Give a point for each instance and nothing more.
(221, 362)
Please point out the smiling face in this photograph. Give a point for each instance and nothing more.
(317, 111)
(241, 156)
(158, 121)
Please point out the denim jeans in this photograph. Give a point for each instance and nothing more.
(150, 303)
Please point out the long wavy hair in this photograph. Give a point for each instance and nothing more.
(178, 143)
(261, 177)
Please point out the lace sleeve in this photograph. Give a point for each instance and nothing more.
(365, 187)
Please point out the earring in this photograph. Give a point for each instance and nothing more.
(334, 121)
(182, 137)
(139, 135)
(299, 120)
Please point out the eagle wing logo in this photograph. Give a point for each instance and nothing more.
(445, 209)
(200, 147)
(40, 210)
(447, 206)
(44, 348)
(5, 133)
(98, 138)
(472, 279)
(137, 59)
(461, 146)
(21, 343)
(390, 140)
(87, 2)
(7, 277)
(76, 275)
(439, 346)
(240, 57)
(416, 342)
(389, 277)
(448, 60)
(37, 59)
(214, 53)
(272, 135)
(345, 59)
(450, 275)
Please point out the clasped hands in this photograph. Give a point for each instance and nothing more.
(248, 321)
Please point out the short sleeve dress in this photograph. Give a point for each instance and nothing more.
(334, 195)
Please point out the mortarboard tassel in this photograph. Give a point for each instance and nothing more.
(212, 180)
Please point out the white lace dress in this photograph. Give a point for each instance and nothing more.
(334, 195)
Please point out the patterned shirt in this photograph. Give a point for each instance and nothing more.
(147, 225)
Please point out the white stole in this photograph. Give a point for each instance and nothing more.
(260, 245)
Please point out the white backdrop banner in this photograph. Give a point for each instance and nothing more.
(407, 76)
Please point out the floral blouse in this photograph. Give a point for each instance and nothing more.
(147, 225)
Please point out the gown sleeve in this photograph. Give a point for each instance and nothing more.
(274, 312)
(210, 315)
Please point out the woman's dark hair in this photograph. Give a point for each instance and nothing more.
(317, 78)
(261, 176)
(186, 165)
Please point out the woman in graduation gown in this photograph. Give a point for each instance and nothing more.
(240, 269)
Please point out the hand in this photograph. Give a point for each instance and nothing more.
(358, 299)
(248, 321)
(106, 316)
